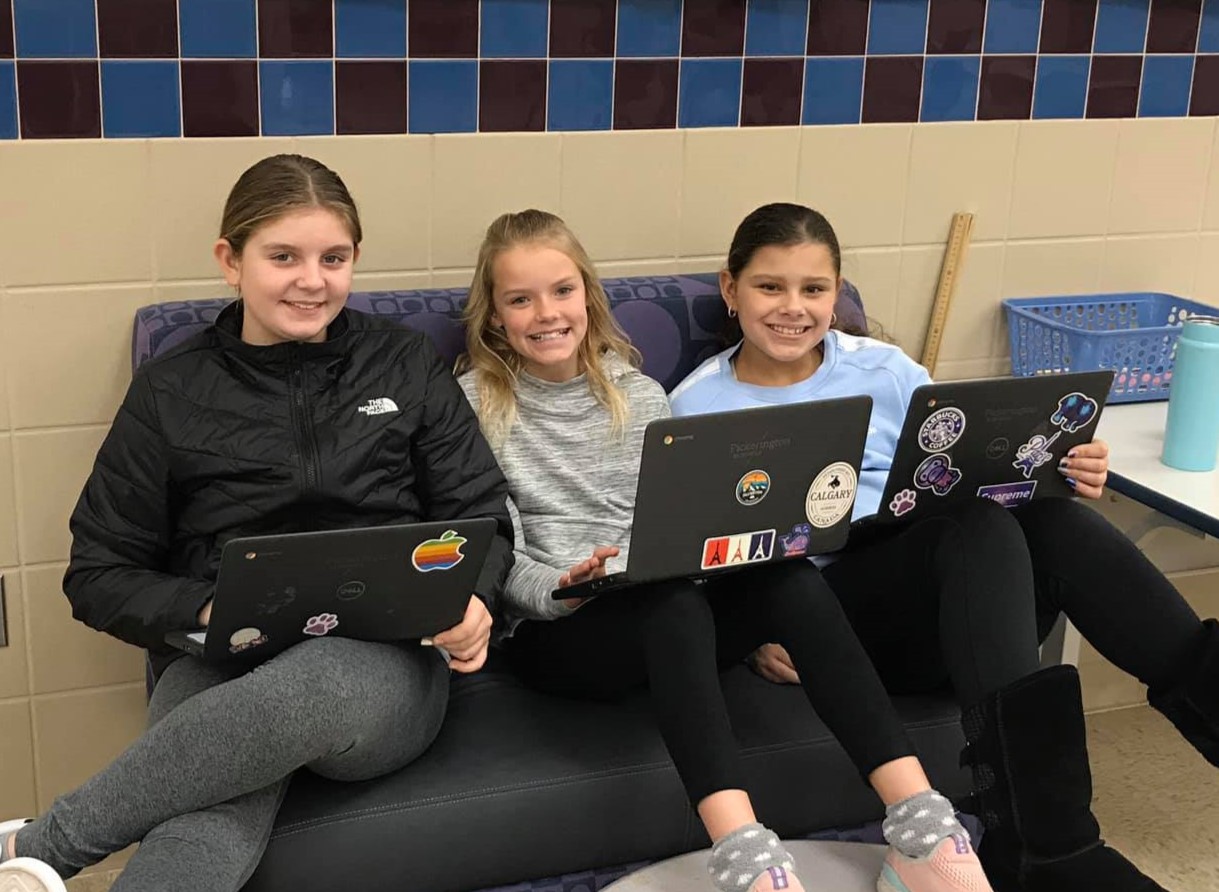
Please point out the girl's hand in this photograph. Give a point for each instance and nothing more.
(205, 615)
(467, 641)
(1086, 468)
(590, 568)
(773, 663)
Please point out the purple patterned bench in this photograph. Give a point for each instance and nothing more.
(519, 785)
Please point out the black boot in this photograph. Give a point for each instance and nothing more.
(1191, 701)
(1028, 750)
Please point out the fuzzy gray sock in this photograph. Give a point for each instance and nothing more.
(915, 826)
(743, 855)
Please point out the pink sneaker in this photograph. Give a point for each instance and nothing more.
(952, 866)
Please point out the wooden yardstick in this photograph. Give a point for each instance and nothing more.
(954, 259)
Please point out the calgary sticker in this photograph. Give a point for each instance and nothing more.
(942, 429)
(753, 487)
(831, 495)
(743, 548)
(439, 554)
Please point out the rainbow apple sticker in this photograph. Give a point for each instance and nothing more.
(439, 554)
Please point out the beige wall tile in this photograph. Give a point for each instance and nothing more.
(407, 281)
(75, 211)
(876, 272)
(199, 289)
(1210, 210)
(14, 676)
(452, 278)
(708, 263)
(665, 266)
(51, 468)
(1162, 164)
(727, 174)
(1063, 179)
(857, 176)
(1037, 269)
(8, 505)
(79, 375)
(1150, 263)
(960, 167)
(1206, 284)
(478, 177)
(969, 369)
(64, 653)
(191, 179)
(5, 422)
(17, 756)
(916, 292)
(80, 733)
(621, 192)
(390, 179)
(972, 328)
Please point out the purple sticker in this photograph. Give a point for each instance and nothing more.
(795, 543)
(778, 877)
(1035, 453)
(1075, 411)
(902, 502)
(1009, 494)
(962, 843)
(322, 624)
(937, 474)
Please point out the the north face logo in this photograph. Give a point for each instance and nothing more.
(378, 406)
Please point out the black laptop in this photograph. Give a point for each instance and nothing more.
(387, 583)
(999, 439)
(726, 490)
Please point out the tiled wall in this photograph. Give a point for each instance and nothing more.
(140, 68)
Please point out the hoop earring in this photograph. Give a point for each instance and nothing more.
(731, 313)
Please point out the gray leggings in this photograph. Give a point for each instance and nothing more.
(202, 786)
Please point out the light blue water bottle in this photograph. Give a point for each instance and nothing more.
(1191, 438)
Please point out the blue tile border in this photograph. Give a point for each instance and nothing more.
(443, 96)
(1166, 85)
(217, 29)
(833, 90)
(897, 27)
(55, 29)
(1061, 90)
(776, 28)
(364, 30)
(514, 29)
(141, 99)
(649, 28)
(8, 99)
(950, 88)
(1121, 26)
(1013, 27)
(296, 97)
(581, 94)
(709, 93)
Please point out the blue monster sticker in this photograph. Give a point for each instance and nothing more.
(937, 474)
(1075, 411)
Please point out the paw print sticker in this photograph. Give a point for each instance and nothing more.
(902, 502)
(322, 624)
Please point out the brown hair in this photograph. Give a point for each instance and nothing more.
(279, 185)
(496, 365)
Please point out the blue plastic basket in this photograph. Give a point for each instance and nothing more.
(1133, 334)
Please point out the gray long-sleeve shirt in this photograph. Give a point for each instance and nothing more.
(571, 480)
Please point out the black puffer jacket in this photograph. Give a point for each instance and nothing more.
(219, 439)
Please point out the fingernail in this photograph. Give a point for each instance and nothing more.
(1071, 480)
(1071, 454)
(1064, 461)
(426, 642)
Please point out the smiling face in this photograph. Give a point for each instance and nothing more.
(293, 275)
(784, 298)
(539, 303)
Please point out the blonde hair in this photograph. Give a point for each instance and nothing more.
(489, 355)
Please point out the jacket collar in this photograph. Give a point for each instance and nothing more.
(228, 328)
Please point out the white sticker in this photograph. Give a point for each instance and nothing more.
(831, 495)
(244, 639)
(941, 429)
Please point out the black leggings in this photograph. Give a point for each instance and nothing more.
(675, 636)
(964, 597)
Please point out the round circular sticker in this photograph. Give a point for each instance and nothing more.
(941, 429)
(831, 495)
(753, 487)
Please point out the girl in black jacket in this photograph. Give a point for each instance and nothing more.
(261, 424)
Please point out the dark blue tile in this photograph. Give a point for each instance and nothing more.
(710, 93)
(140, 99)
(1121, 26)
(833, 90)
(514, 29)
(297, 97)
(897, 27)
(649, 28)
(443, 96)
(581, 95)
(776, 28)
(950, 88)
(1166, 83)
(1062, 87)
(55, 29)
(217, 29)
(1208, 39)
(8, 100)
(365, 30)
(1012, 26)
